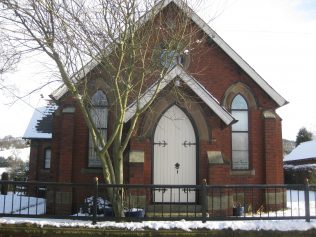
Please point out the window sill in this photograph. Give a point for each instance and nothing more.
(242, 172)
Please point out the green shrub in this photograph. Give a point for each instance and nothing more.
(297, 174)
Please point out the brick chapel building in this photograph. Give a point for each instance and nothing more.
(227, 131)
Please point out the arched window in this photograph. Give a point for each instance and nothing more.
(99, 113)
(240, 142)
(47, 158)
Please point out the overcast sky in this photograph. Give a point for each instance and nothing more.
(275, 37)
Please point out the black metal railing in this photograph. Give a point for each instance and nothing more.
(158, 202)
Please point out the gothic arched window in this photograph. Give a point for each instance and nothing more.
(99, 114)
(240, 134)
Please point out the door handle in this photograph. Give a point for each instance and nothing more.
(177, 166)
(186, 143)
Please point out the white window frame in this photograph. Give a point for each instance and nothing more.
(47, 158)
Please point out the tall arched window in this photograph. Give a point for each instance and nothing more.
(99, 113)
(240, 142)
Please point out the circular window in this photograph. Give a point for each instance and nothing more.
(169, 58)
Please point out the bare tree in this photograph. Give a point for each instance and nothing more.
(130, 44)
(9, 57)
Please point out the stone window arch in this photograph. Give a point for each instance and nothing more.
(242, 89)
(99, 114)
(239, 99)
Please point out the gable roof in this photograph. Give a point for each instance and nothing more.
(305, 150)
(191, 82)
(280, 101)
(40, 125)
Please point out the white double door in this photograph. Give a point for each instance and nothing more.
(174, 156)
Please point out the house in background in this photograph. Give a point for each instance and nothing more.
(226, 130)
(303, 154)
(300, 164)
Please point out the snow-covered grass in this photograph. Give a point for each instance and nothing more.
(294, 197)
(23, 154)
(257, 225)
(295, 205)
(15, 203)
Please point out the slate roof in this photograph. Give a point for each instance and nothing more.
(40, 125)
(62, 90)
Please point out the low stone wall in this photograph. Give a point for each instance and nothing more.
(29, 230)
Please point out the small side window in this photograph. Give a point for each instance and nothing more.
(47, 158)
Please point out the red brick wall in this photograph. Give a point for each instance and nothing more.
(37, 153)
(217, 72)
(273, 151)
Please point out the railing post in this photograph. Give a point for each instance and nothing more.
(306, 196)
(4, 186)
(204, 200)
(95, 200)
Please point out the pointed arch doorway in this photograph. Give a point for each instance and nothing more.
(174, 156)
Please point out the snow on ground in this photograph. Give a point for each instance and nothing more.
(23, 154)
(19, 204)
(280, 225)
(298, 208)
(296, 204)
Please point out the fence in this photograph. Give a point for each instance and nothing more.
(158, 202)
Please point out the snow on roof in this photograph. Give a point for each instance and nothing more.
(306, 150)
(40, 125)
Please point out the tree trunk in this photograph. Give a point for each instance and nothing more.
(118, 202)
(116, 194)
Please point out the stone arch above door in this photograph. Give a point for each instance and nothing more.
(193, 109)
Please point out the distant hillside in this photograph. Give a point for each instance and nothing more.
(14, 153)
(12, 142)
(288, 146)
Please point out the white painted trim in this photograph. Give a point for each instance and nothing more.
(200, 91)
(62, 90)
(218, 40)
(232, 54)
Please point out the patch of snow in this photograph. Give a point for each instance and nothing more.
(17, 203)
(23, 154)
(306, 150)
(3, 169)
(300, 167)
(276, 225)
(293, 196)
